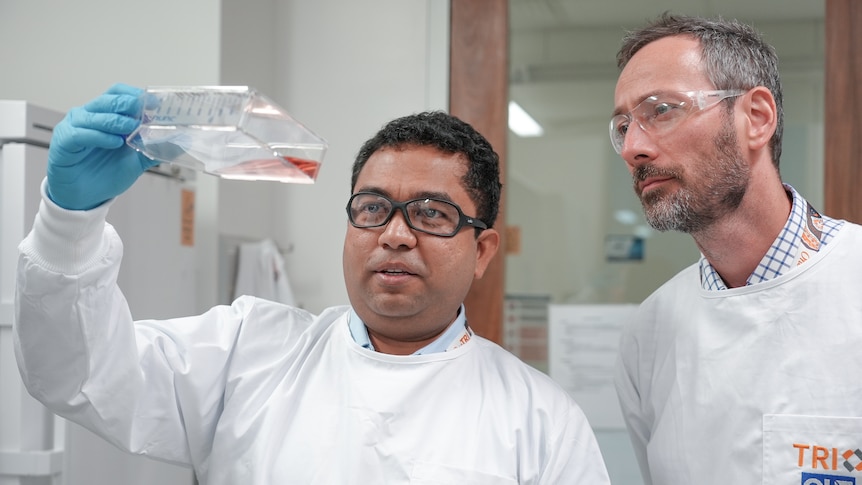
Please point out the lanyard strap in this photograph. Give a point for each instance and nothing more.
(812, 233)
(462, 338)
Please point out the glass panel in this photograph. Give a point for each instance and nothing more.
(580, 232)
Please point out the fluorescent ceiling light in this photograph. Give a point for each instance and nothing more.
(521, 123)
(626, 217)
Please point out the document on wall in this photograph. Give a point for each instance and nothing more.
(584, 340)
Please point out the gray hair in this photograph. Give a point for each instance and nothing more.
(734, 54)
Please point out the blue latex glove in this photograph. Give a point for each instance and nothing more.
(89, 162)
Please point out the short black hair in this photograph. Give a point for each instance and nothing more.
(448, 134)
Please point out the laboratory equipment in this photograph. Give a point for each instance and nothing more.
(233, 132)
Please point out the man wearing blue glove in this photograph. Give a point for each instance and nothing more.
(394, 388)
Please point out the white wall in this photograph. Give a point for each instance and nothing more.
(59, 54)
(348, 68)
(341, 67)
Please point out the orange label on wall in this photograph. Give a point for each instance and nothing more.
(187, 218)
(513, 239)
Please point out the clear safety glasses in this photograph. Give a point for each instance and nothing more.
(431, 216)
(660, 113)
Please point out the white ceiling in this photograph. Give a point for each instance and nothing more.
(562, 52)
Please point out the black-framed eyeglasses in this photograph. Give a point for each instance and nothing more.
(431, 216)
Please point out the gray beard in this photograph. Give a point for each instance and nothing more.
(698, 204)
(673, 212)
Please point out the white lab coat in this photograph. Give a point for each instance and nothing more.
(751, 385)
(259, 393)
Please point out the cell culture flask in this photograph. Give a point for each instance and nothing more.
(233, 132)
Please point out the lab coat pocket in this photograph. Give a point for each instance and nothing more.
(812, 450)
(433, 474)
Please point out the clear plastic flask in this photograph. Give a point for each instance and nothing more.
(233, 132)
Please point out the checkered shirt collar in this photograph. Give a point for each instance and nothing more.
(781, 255)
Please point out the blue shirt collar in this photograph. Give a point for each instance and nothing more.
(440, 344)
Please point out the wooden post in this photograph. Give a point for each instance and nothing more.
(479, 93)
(843, 112)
